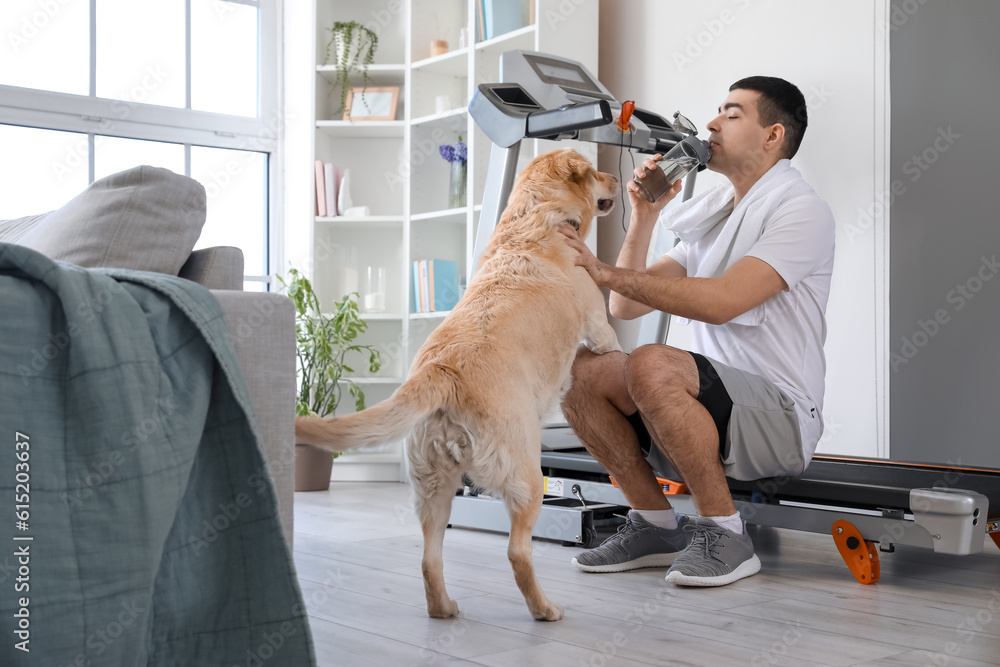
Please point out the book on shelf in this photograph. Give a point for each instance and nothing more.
(331, 189)
(444, 286)
(328, 179)
(415, 292)
(425, 297)
(419, 288)
(498, 17)
(435, 285)
(430, 284)
(320, 190)
(481, 23)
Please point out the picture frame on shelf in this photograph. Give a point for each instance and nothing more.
(372, 103)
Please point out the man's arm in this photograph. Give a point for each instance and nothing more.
(625, 308)
(635, 247)
(745, 285)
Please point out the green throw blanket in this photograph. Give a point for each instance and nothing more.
(139, 525)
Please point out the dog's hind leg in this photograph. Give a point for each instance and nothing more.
(522, 521)
(434, 512)
(436, 472)
(522, 493)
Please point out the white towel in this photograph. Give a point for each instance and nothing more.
(744, 224)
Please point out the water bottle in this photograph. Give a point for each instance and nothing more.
(687, 154)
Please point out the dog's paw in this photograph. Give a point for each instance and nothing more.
(606, 346)
(550, 611)
(613, 346)
(604, 340)
(443, 610)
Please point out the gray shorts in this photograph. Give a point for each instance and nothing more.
(759, 434)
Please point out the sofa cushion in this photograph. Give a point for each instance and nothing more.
(12, 230)
(144, 218)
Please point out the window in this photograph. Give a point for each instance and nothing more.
(90, 89)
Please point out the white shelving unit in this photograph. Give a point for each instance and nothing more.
(396, 169)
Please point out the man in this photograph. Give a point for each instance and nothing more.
(752, 273)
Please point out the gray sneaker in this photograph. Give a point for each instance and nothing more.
(637, 544)
(716, 556)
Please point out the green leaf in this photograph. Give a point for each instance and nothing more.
(359, 397)
(323, 342)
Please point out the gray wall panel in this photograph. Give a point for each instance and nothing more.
(945, 236)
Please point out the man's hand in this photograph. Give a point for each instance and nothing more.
(642, 209)
(585, 258)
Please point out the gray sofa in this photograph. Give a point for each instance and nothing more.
(149, 219)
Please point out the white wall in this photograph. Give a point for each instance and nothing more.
(672, 55)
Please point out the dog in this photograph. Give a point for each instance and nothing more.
(481, 385)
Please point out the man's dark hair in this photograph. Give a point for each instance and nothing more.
(779, 102)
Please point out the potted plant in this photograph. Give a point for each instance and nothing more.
(355, 50)
(323, 343)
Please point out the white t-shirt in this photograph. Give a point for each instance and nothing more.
(798, 242)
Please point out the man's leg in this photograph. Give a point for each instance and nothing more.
(596, 407)
(665, 384)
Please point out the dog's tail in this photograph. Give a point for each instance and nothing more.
(427, 390)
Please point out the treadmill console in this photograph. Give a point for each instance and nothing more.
(554, 83)
(569, 76)
(548, 97)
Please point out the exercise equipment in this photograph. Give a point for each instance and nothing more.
(860, 502)
(544, 96)
(888, 503)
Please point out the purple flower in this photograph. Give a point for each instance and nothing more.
(457, 153)
(447, 152)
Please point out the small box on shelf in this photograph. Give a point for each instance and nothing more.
(435, 92)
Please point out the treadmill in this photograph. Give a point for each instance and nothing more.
(867, 505)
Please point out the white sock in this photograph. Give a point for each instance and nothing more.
(662, 518)
(733, 523)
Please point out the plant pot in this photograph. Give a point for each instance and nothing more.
(313, 466)
(351, 50)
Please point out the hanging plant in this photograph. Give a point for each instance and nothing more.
(356, 46)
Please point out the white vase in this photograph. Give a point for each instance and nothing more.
(344, 196)
(351, 48)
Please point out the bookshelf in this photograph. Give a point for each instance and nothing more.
(395, 167)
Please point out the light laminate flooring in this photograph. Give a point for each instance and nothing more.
(357, 554)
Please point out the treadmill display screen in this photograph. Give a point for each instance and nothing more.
(562, 73)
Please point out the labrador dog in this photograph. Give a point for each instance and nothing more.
(486, 377)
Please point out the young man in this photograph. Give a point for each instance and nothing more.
(752, 273)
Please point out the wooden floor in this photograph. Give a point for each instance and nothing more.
(358, 548)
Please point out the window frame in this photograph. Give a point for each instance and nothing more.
(94, 116)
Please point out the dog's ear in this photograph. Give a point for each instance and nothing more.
(580, 169)
(584, 173)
